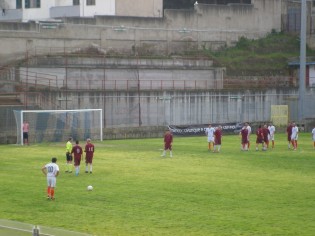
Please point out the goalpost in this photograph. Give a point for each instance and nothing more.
(59, 125)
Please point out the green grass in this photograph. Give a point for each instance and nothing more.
(265, 56)
(137, 192)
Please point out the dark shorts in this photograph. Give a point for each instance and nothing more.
(259, 140)
(25, 135)
(68, 156)
(244, 140)
(217, 141)
(89, 160)
(77, 161)
(167, 146)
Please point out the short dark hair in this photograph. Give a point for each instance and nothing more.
(77, 142)
(54, 159)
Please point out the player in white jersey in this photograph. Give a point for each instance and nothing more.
(51, 171)
(271, 136)
(313, 135)
(210, 133)
(294, 135)
(249, 133)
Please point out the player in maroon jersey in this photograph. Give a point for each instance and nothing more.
(289, 133)
(244, 136)
(77, 153)
(168, 140)
(266, 133)
(89, 154)
(217, 139)
(259, 137)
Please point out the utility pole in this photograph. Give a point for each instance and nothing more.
(302, 60)
(139, 98)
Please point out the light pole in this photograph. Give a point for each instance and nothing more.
(302, 60)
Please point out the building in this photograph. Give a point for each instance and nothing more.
(26, 10)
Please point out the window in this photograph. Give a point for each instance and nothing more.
(90, 2)
(76, 2)
(224, 2)
(18, 4)
(32, 3)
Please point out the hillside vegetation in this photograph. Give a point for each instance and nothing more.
(265, 56)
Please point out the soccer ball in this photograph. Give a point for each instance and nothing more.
(90, 188)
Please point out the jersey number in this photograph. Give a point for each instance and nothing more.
(50, 169)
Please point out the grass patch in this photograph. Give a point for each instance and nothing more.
(137, 192)
(265, 56)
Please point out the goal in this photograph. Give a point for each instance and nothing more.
(59, 125)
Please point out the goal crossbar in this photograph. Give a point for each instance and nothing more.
(20, 116)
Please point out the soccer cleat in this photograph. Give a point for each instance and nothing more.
(90, 172)
(86, 171)
(66, 171)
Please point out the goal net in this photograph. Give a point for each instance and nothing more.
(59, 125)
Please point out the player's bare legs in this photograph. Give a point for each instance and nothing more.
(210, 145)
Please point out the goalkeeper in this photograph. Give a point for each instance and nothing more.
(69, 156)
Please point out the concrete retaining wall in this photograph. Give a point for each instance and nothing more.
(206, 26)
(154, 108)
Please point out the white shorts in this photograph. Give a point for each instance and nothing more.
(294, 138)
(51, 181)
(210, 139)
(271, 137)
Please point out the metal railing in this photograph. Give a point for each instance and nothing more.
(36, 84)
(38, 99)
(260, 82)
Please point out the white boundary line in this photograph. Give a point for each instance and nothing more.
(41, 234)
(24, 230)
(8, 227)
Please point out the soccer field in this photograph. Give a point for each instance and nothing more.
(138, 192)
